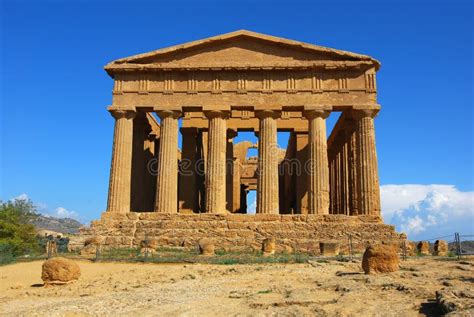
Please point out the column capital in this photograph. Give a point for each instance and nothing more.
(175, 114)
(261, 114)
(123, 113)
(211, 114)
(363, 113)
(316, 113)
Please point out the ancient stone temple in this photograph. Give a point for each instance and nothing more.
(320, 188)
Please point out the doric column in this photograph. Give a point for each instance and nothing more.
(216, 162)
(121, 166)
(236, 199)
(318, 183)
(166, 198)
(353, 175)
(332, 199)
(230, 190)
(337, 171)
(345, 178)
(367, 169)
(267, 182)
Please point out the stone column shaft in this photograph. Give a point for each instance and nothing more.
(216, 162)
(121, 166)
(318, 162)
(267, 181)
(345, 178)
(337, 183)
(236, 185)
(367, 169)
(353, 175)
(166, 199)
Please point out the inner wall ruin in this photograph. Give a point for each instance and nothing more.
(318, 189)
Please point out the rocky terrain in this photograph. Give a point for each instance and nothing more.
(61, 225)
(423, 286)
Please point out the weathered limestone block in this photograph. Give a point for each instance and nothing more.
(269, 246)
(380, 258)
(206, 247)
(441, 248)
(329, 248)
(239, 231)
(410, 248)
(92, 240)
(423, 247)
(60, 271)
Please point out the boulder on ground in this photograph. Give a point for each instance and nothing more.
(269, 246)
(60, 271)
(329, 248)
(92, 241)
(380, 259)
(441, 248)
(89, 250)
(423, 247)
(206, 247)
(410, 248)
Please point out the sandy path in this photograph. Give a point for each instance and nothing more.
(236, 290)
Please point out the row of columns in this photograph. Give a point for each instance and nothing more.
(353, 170)
(166, 198)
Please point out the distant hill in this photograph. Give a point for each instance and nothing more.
(62, 225)
(467, 246)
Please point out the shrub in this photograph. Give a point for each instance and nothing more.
(17, 234)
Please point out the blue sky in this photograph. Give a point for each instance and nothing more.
(56, 134)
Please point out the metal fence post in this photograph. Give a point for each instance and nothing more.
(404, 253)
(351, 251)
(146, 247)
(457, 245)
(49, 250)
(97, 252)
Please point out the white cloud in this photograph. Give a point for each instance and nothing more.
(62, 212)
(42, 208)
(428, 210)
(413, 225)
(21, 197)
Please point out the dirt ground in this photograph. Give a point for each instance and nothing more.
(310, 289)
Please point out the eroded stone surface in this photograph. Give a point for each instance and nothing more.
(59, 271)
(380, 258)
(301, 233)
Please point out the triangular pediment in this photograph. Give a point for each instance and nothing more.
(240, 49)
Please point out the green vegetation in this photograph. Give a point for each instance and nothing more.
(267, 291)
(181, 255)
(17, 234)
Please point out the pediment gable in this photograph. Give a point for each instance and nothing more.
(240, 49)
